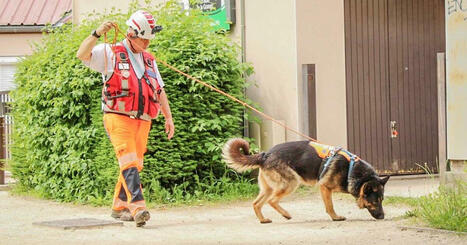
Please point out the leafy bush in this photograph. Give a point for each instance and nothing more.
(60, 148)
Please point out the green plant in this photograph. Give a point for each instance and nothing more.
(60, 148)
(444, 209)
(426, 168)
(410, 201)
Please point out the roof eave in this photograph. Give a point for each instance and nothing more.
(22, 29)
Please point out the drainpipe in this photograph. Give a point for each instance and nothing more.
(246, 128)
(242, 29)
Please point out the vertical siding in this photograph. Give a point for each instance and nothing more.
(384, 87)
(366, 78)
(391, 48)
(415, 38)
(348, 70)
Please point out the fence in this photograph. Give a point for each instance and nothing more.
(5, 133)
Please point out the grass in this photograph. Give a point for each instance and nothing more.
(394, 200)
(444, 209)
(20, 190)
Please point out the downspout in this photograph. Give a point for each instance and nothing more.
(242, 27)
(246, 128)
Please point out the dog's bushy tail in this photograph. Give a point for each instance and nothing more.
(238, 160)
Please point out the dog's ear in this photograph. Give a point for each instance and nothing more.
(384, 180)
(362, 189)
(362, 195)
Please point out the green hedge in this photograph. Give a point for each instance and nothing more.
(60, 148)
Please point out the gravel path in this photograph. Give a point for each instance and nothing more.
(233, 223)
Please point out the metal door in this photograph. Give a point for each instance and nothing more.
(391, 48)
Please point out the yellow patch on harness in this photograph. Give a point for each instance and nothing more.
(321, 149)
(324, 150)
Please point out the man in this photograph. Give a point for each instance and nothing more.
(132, 95)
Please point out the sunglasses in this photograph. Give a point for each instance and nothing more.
(156, 29)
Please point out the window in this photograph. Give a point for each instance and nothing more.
(7, 72)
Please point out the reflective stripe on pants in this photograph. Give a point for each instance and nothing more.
(129, 138)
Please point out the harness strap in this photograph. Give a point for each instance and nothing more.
(332, 154)
(353, 159)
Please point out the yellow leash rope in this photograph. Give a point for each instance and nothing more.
(211, 87)
(105, 47)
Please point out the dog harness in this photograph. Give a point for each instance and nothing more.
(125, 93)
(327, 152)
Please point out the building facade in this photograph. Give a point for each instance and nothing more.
(359, 74)
(21, 26)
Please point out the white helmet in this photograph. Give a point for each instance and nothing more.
(143, 24)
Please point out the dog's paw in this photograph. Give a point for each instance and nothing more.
(339, 218)
(265, 221)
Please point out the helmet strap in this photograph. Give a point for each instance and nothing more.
(131, 44)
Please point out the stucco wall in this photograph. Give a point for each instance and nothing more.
(320, 41)
(271, 48)
(18, 44)
(456, 78)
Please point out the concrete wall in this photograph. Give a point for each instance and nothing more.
(456, 79)
(321, 41)
(18, 44)
(271, 48)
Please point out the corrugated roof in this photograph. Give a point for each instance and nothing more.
(32, 12)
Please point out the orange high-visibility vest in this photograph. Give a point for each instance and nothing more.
(124, 93)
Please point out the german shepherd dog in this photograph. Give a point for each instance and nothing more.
(285, 166)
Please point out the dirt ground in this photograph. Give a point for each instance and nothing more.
(233, 223)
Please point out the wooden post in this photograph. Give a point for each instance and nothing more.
(309, 102)
(442, 154)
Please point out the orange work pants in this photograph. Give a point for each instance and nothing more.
(129, 138)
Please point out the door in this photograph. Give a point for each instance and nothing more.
(391, 48)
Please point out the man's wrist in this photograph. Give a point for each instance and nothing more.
(94, 34)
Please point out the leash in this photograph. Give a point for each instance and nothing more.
(117, 30)
(334, 150)
(105, 47)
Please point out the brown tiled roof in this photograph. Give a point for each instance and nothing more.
(32, 12)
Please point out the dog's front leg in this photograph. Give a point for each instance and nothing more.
(326, 194)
